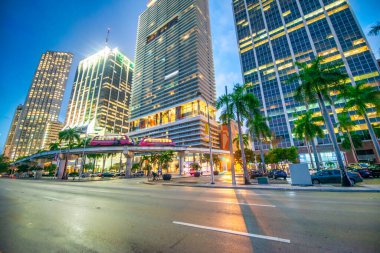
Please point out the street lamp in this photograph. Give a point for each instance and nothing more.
(209, 138)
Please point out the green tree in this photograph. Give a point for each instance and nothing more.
(245, 141)
(244, 105)
(346, 125)
(278, 155)
(307, 127)
(259, 130)
(54, 146)
(249, 155)
(359, 98)
(317, 81)
(375, 30)
(84, 142)
(4, 164)
(71, 136)
(354, 140)
(23, 168)
(95, 157)
(165, 158)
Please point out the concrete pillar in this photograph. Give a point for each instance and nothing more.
(61, 167)
(129, 155)
(181, 162)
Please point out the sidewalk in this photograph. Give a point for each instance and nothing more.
(281, 187)
(222, 183)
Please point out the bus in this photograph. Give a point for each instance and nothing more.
(111, 140)
(156, 142)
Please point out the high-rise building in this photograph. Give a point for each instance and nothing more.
(273, 34)
(12, 131)
(174, 76)
(43, 103)
(51, 134)
(99, 102)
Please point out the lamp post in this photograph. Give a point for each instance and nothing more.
(209, 138)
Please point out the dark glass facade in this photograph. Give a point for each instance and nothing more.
(273, 34)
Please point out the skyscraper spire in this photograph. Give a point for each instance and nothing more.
(108, 35)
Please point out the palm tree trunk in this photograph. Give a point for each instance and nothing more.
(345, 179)
(263, 168)
(315, 155)
(65, 169)
(308, 150)
(104, 163)
(246, 176)
(232, 160)
(353, 147)
(121, 161)
(373, 137)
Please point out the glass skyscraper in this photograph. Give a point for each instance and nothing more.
(12, 131)
(100, 97)
(43, 103)
(174, 76)
(273, 34)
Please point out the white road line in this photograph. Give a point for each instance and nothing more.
(238, 203)
(271, 238)
(51, 198)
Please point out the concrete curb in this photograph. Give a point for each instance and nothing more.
(275, 188)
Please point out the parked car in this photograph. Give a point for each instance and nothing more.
(365, 173)
(375, 170)
(107, 174)
(334, 177)
(276, 173)
(358, 165)
(255, 173)
(138, 174)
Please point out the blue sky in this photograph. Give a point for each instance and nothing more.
(29, 28)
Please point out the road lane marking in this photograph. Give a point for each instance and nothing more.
(227, 231)
(238, 203)
(51, 198)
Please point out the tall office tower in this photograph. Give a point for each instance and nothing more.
(273, 34)
(51, 134)
(12, 131)
(42, 104)
(99, 102)
(174, 73)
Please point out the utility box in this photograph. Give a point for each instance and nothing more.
(262, 180)
(300, 174)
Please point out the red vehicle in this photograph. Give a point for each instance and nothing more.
(156, 142)
(111, 140)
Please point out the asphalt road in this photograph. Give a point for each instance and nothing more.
(127, 216)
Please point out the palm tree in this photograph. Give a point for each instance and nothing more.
(346, 125)
(317, 80)
(54, 146)
(226, 116)
(359, 98)
(71, 136)
(375, 30)
(84, 142)
(306, 128)
(259, 129)
(245, 140)
(243, 105)
(95, 158)
(165, 158)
